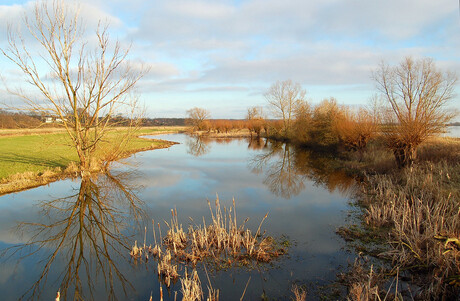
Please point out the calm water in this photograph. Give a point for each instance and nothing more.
(453, 131)
(80, 231)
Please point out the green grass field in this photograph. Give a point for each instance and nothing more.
(39, 152)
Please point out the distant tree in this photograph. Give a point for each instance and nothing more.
(323, 132)
(355, 128)
(77, 83)
(417, 93)
(302, 122)
(283, 98)
(197, 118)
(255, 120)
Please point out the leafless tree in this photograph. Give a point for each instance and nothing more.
(283, 98)
(83, 86)
(255, 120)
(417, 93)
(197, 117)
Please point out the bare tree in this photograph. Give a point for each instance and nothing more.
(283, 97)
(197, 118)
(417, 93)
(255, 120)
(81, 85)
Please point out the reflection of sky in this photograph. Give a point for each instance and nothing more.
(173, 178)
(310, 217)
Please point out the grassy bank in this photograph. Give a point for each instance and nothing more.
(414, 215)
(35, 157)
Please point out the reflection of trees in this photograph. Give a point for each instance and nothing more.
(286, 167)
(323, 171)
(85, 230)
(197, 145)
(281, 175)
(256, 143)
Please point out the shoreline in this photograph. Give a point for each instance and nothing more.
(28, 180)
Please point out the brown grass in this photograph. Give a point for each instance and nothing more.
(31, 131)
(300, 294)
(440, 149)
(421, 205)
(222, 243)
(27, 180)
(364, 283)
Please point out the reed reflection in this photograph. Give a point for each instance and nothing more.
(286, 168)
(87, 231)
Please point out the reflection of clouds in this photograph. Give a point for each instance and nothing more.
(160, 178)
(8, 271)
(310, 216)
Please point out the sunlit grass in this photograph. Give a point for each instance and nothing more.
(41, 151)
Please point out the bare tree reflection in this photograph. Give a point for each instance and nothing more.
(286, 167)
(281, 175)
(86, 230)
(197, 145)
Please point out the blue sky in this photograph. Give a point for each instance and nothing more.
(223, 55)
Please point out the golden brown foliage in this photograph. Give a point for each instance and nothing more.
(355, 129)
(417, 93)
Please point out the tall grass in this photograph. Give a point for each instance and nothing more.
(222, 242)
(421, 205)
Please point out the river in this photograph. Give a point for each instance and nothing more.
(75, 236)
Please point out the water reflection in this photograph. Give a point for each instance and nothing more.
(278, 165)
(197, 145)
(82, 235)
(286, 167)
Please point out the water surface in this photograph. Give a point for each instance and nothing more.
(305, 201)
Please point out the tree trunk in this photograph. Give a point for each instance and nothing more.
(405, 154)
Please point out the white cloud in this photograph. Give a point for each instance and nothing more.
(205, 46)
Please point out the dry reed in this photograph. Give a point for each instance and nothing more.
(300, 294)
(421, 206)
(223, 242)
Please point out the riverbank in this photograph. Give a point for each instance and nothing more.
(409, 220)
(35, 157)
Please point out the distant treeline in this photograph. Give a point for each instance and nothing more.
(18, 120)
(9, 120)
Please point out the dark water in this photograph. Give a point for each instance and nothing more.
(75, 236)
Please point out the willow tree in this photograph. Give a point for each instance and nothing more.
(417, 93)
(82, 79)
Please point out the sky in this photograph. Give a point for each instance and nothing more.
(223, 55)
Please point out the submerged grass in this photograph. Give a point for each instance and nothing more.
(222, 243)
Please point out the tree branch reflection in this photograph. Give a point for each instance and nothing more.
(87, 231)
(197, 145)
(286, 168)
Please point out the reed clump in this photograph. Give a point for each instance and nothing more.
(365, 283)
(421, 207)
(222, 243)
